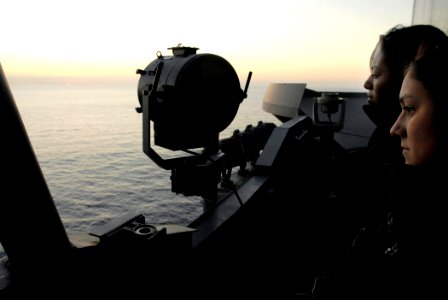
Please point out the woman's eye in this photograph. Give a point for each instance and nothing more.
(409, 109)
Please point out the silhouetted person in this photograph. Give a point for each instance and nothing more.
(400, 249)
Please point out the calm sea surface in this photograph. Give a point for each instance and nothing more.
(87, 139)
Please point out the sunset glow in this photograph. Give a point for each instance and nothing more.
(318, 42)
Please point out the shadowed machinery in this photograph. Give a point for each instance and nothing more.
(254, 237)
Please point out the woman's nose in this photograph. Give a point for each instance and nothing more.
(368, 83)
(396, 129)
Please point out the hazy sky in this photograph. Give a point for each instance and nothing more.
(325, 43)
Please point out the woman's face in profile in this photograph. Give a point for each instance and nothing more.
(415, 124)
(377, 82)
(382, 87)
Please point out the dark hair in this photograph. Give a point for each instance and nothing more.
(401, 44)
(430, 67)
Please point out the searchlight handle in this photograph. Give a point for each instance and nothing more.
(249, 76)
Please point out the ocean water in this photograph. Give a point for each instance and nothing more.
(88, 141)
